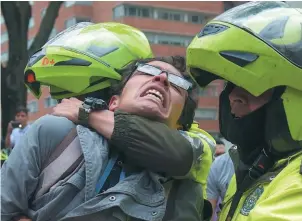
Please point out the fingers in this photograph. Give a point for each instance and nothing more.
(68, 108)
(72, 100)
(65, 100)
(76, 101)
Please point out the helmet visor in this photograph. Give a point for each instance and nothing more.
(274, 23)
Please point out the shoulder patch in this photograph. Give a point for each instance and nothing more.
(251, 200)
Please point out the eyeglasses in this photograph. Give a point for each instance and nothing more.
(172, 78)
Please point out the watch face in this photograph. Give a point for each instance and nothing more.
(94, 104)
(85, 106)
(89, 101)
(100, 105)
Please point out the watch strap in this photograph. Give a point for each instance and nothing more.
(90, 104)
(83, 116)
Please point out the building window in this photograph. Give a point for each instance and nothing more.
(72, 21)
(31, 23)
(146, 13)
(206, 114)
(4, 37)
(136, 11)
(165, 39)
(4, 57)
(33, 106)
(151, 38)
(209, 91)
(68, 4)
(158, 13)
(197, 19)
(119, 11)
(170, 15)
(49, 102)
(132, 11)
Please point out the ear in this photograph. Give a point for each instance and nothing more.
(114, 102)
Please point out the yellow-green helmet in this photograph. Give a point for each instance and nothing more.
(84, 58)
(256, 46)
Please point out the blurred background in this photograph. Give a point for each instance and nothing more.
(169, 26)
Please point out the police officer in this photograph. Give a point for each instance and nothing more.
(258, 47)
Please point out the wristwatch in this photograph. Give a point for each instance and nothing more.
(90, 104)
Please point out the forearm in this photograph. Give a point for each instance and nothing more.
(102, 122)
(214, 204)
(151, 145)
(148, 144)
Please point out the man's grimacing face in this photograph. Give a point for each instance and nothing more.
(152, 96)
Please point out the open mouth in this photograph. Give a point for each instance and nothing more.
(154, 94)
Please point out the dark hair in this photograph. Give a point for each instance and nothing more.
(21, 109)
(219, 141)
(179, 63)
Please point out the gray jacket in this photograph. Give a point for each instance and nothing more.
(140, 196)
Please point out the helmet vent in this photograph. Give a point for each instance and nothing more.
(101, 51)
(73, 62)
(36, 57)
(212, 29)
(239, 58)
(275, 29)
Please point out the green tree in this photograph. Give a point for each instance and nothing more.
(17, 16)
